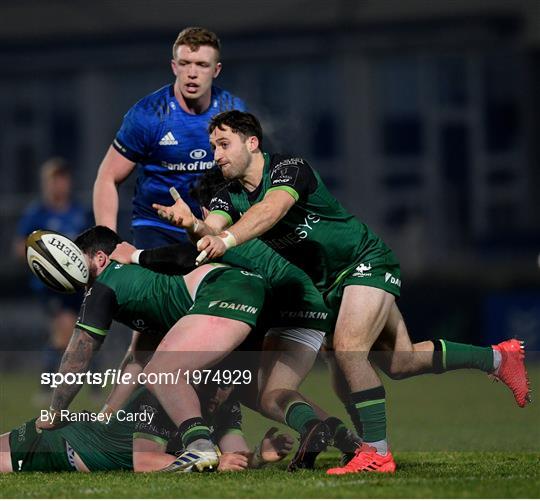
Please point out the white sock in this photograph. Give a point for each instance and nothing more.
(380, 445)
(201, 445)
(497, 358)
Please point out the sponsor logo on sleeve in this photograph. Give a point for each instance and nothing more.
(362, 270)
(218, 203)
(388, 277)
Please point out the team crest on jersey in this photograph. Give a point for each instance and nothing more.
(197, 154)
(285, 172)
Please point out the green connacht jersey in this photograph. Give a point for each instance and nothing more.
(134, 296)
(152, 303)
(317, 234)
(105, 446)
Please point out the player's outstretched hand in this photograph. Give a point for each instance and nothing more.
(212, 247)
(233, 461)
(275, 447)
(178, 214)
(123, 252)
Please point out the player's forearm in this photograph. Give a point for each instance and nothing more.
(76, 360)
(105, 201)
(168, 259)
(151, 461)
(256, 221)
(121, 392)
(200, 229)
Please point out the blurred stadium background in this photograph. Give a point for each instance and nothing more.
(423, 117)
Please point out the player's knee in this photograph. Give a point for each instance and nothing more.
(267, 402)
(397, 374)
(401, 367)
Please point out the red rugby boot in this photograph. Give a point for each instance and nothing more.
(512, 371)
(366, 459)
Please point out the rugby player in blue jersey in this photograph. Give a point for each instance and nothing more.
(165, 134)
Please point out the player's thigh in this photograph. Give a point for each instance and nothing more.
(363, 314)
(197, 342)
(5, 454)
(286, 362)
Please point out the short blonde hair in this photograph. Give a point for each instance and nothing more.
(195, 37)
(55, 166)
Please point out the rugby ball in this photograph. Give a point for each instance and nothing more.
(56, 261)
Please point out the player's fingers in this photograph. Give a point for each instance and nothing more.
(270, 432)
(235, 467)
(174, 193)
(162, 214)
(201, 258)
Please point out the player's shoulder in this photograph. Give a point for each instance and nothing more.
(155, 106)
(282, 160)
(221, 199)
(223, 100)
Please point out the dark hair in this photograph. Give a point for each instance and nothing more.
(207, 186)
(97, 238)
(240, 122)
(195, 37)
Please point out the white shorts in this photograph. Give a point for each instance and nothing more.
(308, 337)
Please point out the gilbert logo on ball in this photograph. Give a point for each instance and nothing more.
(56, 261)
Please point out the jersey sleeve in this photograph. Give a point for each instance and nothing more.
(153, 423)
(175, 259)
(134, 138)
(222, 204)
(97, 311)
(228, 420)
(293, 175)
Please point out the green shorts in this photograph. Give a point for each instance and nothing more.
(378, 267)
(33, 451)
(299, 304)
(230, 293)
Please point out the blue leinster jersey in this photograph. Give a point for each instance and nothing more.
(171, 148)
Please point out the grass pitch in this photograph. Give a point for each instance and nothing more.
(454, 435)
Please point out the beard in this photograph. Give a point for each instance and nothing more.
(92, 273)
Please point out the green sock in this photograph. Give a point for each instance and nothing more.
(193, 429)
(460, 356)
(371, 409)
(298, 415)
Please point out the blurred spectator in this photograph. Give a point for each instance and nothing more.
(55, 211)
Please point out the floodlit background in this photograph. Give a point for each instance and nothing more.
(422, 117)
